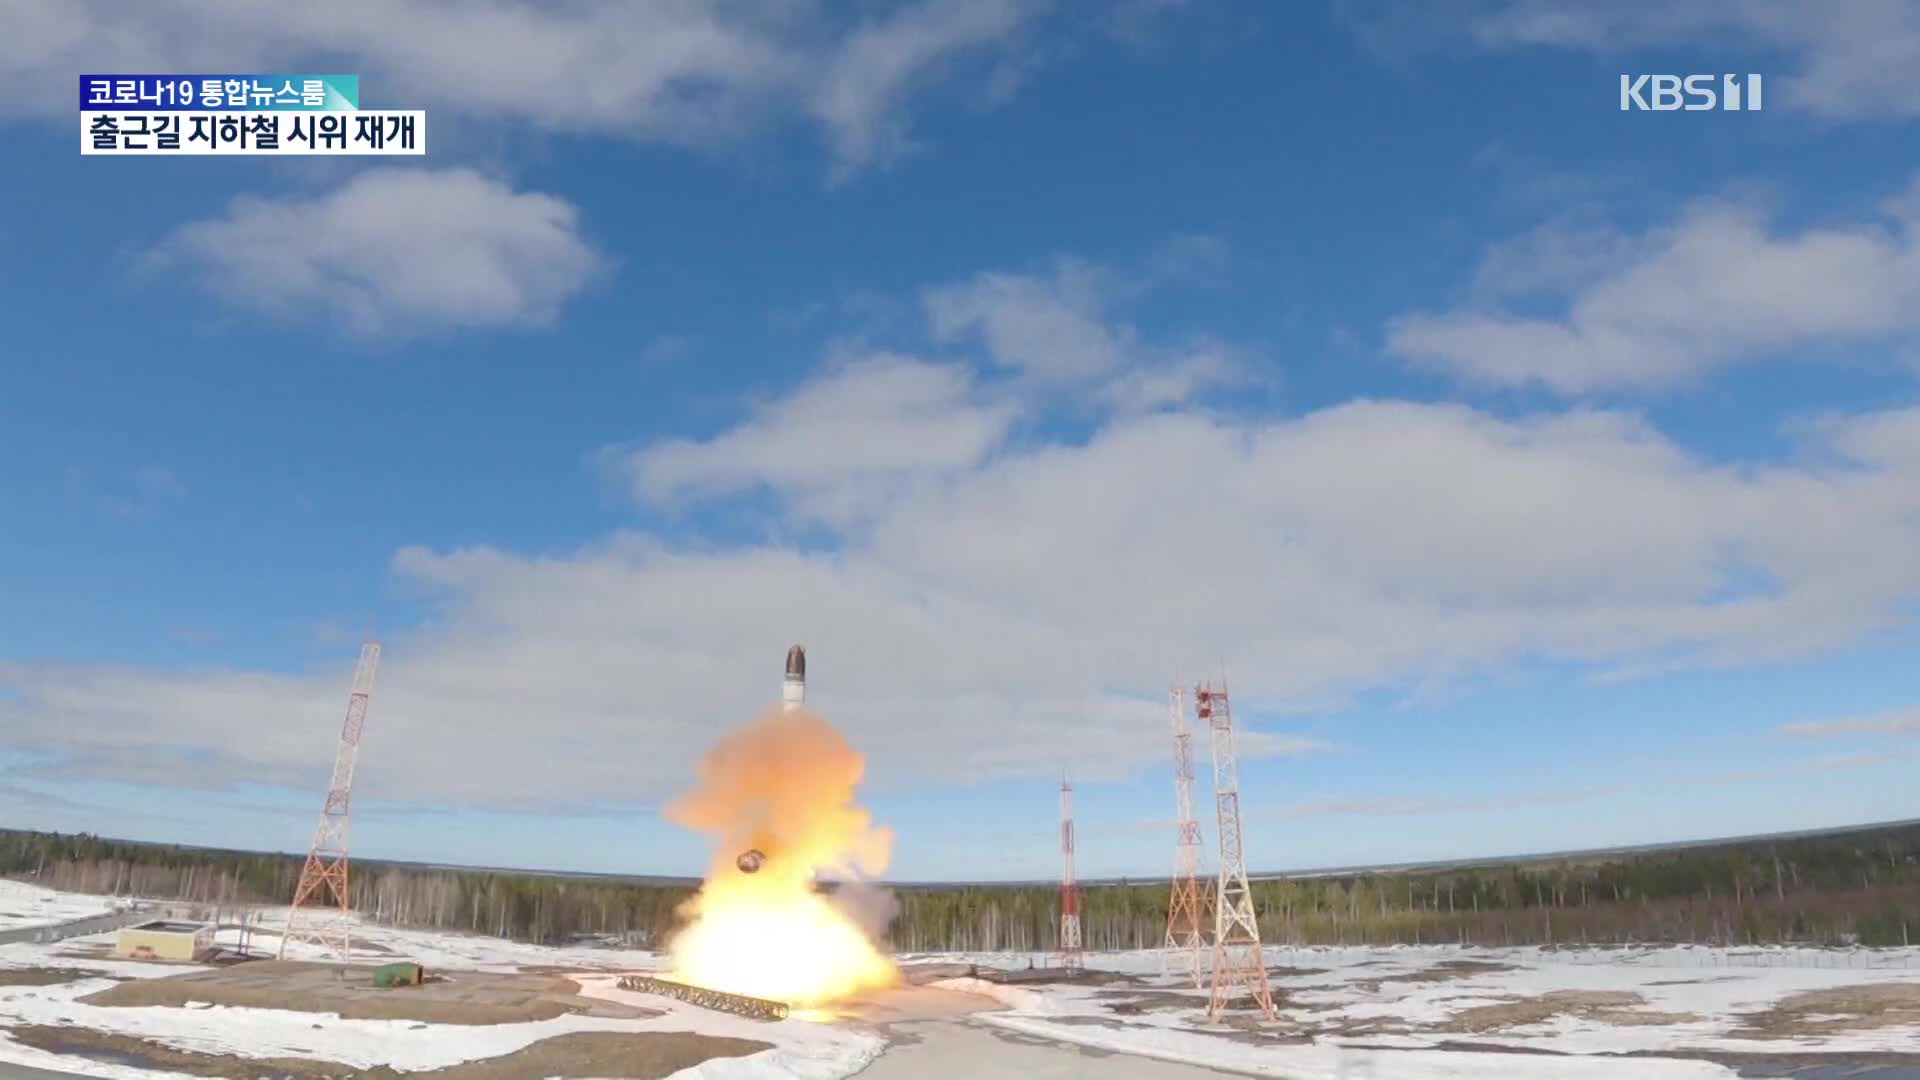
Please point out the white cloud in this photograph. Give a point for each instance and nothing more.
(394, 252)
(1852, 60)
(1889, 722)
(686, 71)
(1051, 328)
(875, 427)
(1056, 330)
(1028, 603)
(880, 61)
(836, 446)
(601, 677)
(1644, 784)
(1719, 286)
(1565, 253)
(1180, 377)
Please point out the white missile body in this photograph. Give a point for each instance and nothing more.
(793, 692)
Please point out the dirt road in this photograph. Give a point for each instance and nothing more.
(930, 1037)
(960, 1050)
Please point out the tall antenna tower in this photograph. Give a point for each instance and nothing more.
(1238, 961)
(1185, 942)
(1071, 957)
(323, 880)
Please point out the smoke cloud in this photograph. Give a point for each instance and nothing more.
(870, 907)
(784, 785)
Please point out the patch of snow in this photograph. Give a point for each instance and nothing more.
(781, 1063)
(1330, 1061)
(13, 1053)
(450, 949)
(1715, 989)
(1032, 1002)
(801, 1049)
(26, 955)
(23, 905)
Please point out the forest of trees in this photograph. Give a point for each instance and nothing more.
(1854, 887)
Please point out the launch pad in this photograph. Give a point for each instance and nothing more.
(738, 1004)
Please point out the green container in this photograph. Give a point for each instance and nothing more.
(390, 975)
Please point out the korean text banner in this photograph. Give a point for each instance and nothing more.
(188, 93)
(356, 132)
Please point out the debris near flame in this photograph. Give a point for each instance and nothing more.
(782, 789)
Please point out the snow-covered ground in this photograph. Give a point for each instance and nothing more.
(801, 1049)
(1322, 1060)
(1370, 1012)
(23, 905)
(452, 951)
(1648, 1000)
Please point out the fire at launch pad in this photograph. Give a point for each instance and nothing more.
(777, 796)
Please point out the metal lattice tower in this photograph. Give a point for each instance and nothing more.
(1185, 947)
(1239, 963)
(1071, 957)
(322, 908)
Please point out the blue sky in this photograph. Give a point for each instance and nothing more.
(1544, 475)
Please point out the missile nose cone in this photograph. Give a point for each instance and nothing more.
(797, 663)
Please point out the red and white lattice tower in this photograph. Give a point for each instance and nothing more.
(1185, 947)
(1238, 960)
(1071, 956)
(322, 909)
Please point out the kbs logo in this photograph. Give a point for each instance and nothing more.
(1694, 93)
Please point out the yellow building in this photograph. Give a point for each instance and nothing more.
(164, 940)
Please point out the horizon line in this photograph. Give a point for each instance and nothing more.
(1468, 863)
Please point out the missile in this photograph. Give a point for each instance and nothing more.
(793, 692)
